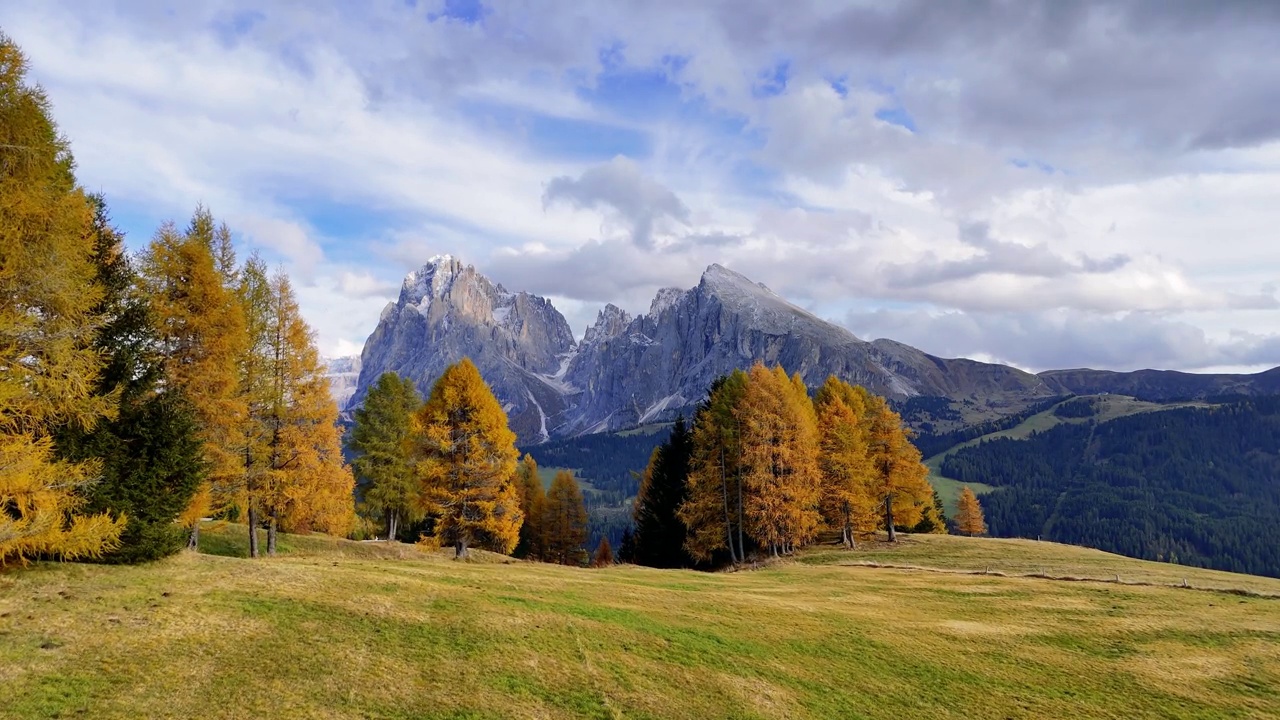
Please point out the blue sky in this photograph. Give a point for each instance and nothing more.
(1043, 184)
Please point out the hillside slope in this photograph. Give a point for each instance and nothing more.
(1198, 485)
(350, 630)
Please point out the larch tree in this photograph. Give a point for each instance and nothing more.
(151, 454)
(712, 511)
(603, 556)
(201, 328)
(660, 533)
(900, 481)
(847, 471)
(48, 364)
(466, 460)
(779, 458)
(564, 521)
(255, 389)
(969, 518)
(533, 500)
(379, 440)
(309, 488)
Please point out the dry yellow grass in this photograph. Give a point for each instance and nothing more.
(350, 630)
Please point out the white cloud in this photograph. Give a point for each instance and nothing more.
(1125, 192)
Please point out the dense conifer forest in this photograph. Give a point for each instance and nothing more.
(1197, 486)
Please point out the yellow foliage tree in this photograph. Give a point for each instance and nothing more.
(969, 519)
(48, 366)
(466, 462)
(847, 471)
(564, 521)
(779, 459)
(900, 482)
(308, 487)
(201, 327)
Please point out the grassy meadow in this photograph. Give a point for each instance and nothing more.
(337, 629)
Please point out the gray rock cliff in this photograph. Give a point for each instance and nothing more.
(631, 371)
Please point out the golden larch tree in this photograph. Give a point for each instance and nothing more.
(308, 486)
(779, 459)
(48, 365)
(900, 481)
(603, 556)
(564, 521)
(466, 462)
(847, 471)
(201, 327)
(969, 519)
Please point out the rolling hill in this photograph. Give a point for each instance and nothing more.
(936, 627)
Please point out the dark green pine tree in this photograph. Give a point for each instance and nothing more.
(382, 464)
(660, 535)
(627, 548)
(151, 455)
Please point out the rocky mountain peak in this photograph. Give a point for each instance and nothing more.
(666, 298)
(447, 311)
(610, 322)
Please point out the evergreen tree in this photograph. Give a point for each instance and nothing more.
(466, 460)
(627, 547)
(713, 510)
(564, 521)
(48, 365)
(660, 533)
(532, 504)
(255, 387)
(969, 518)
(603, 556)
(151, 454)
(933, 521)
(379, 440)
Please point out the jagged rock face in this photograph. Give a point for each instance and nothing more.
(629, 371)
(661, 364)
(446, 312)
(343, 374)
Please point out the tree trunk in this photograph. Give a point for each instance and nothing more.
(742, 547)
(888, 517)
(460, 548)
(193, 540)
(253, 531)
(271, 536)
(395, 526)
(728, 522)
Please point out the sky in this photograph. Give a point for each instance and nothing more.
(1045, 184)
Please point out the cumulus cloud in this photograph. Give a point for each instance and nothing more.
(1086, 168)
(620, 187)
(1069, 339)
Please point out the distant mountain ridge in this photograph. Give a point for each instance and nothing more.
(630, 371)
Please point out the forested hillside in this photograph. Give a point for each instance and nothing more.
(1198, 486)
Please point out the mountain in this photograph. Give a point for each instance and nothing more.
(630, 371)
(1162, 385)
(519, 342)
(343, 374)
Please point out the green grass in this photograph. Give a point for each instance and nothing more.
(336, 629)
